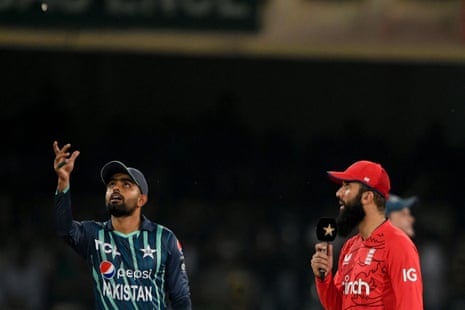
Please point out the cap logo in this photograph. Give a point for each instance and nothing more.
(366, 179)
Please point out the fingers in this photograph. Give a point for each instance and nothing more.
(321, 247)
(62, 156)
(74, 155)
(322, 259)
(57, 149)
(319, 261)
(330, 250)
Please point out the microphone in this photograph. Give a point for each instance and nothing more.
(326, 232)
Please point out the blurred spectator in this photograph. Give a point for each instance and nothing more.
(25, 268)
(398, 211)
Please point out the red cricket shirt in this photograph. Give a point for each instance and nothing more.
(381, 272)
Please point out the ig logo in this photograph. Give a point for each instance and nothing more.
(409, 275)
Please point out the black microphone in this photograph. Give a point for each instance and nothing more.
(326, 232)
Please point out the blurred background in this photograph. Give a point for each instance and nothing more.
(234, 110)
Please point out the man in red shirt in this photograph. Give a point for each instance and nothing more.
(379, 267)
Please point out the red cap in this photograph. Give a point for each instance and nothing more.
(366, 172)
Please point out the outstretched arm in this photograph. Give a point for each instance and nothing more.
(63, 164)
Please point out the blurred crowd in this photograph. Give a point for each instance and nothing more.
(244, 201)
(246, 222)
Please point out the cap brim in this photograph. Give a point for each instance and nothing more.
(409, 202)
(339, 177)
(397, 203)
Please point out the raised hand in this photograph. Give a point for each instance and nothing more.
(63, 163)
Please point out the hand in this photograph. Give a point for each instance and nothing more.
(64, 163)
(322, 259)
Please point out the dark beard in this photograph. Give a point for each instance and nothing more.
(350, 216)
(119, 210)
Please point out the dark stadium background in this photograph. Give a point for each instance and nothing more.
(235, 150)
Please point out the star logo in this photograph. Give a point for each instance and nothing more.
(148, 251)
(329, 230)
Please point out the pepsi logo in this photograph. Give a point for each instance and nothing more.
(107, 269)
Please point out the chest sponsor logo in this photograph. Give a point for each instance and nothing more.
(357, 287)
(106, 247)
(125, 291)
(107, 269)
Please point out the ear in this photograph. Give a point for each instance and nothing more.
(142, 200)
(368, 197)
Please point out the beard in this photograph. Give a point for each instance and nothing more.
(350, 216)
(119, 210)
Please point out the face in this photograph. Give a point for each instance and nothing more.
(404, 220)
(351, 211)
(123, 196)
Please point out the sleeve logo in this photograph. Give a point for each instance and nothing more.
(179, 246)
(409, 274)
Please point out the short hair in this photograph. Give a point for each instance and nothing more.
(380, 201)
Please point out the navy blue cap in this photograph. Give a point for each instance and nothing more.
(396, 203)
(115, 166)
